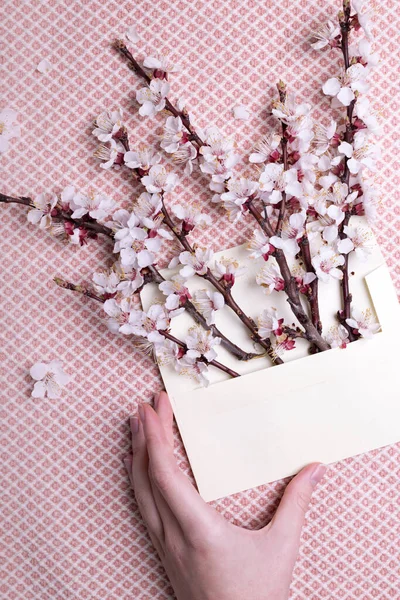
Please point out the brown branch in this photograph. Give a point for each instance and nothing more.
(120, 46)
(90, 225)
(345, 26)
(313, 298)
(290, 285)
(213, 363)
(284, 143)
(226, 292)
(198, 318)
(291, 289)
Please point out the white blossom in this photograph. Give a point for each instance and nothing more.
(160, 64)
(196, 263)
(50, 379)
(186, 153)
(152, 98)
(132, 35)
(358, 239)
(119, 313)
(369, 117)
(270, 278)
(325, 36)
(44, 66)
(326, 264)
(195, 369)
(208, 303)
(173, 135)
(97, 206)
(363, 322)
(338, 337)
(9, 129)
(325, 138)
(44, 204)
(111, 154)
(293, 229)
(190, 216)
(259, 245)
(268, 322)
(149, 324)
(228, 269)
(141, 253)
(241, 113)
(168, 353)
(148, 209)
(143, 158)
(239, 192)
(364, 51)
(363, 13)
(266, 149)
(159, 180)
(201, 342)
(353, 80)
(176, 291)
(130, 280)
(274, 180)
(106, 282)
(361, 154)
(108, 124)
(329, 219)
(218, 155)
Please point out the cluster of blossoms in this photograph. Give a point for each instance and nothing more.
(310, 182)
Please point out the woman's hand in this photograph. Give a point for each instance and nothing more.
(205, 556)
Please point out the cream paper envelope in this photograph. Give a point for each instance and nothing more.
(269, 423)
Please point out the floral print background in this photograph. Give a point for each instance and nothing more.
(70, 528)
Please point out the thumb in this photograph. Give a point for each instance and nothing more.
(289, 518)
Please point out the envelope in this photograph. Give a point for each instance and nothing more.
(273, 420)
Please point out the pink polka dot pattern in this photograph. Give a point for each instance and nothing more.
(70, 528)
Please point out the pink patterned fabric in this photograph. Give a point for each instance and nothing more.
(70, 528)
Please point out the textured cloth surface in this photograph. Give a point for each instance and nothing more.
(70, 528)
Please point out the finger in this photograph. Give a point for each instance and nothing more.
(188, 507)
(289, 518)
(163, 408)
(141, 483)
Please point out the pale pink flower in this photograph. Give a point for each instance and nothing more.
(195, 263)
(143, 158)
(106, 282)
(274, 180)
(325, 36)
(259, 245)
(159, 180)
(239, 192)
(227, 269)
(201, 342)
(361, 153)
(326, 264)
(97, 206)
(338, 337)
(41, 214)
(293, 229)
(267, 149)
(152, 98)
(344, 88)
(190, 216)
(268, 322)
(357, 240)
(269, 278)
(149, 324)
(208, 303)
(108, 124)
(197, 370)
(363, 322)
(50, 379)
(160, 65)
(241, 113)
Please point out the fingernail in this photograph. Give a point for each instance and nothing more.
(134, 423)
(318, 474)
(142, 413)
(156, 399)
